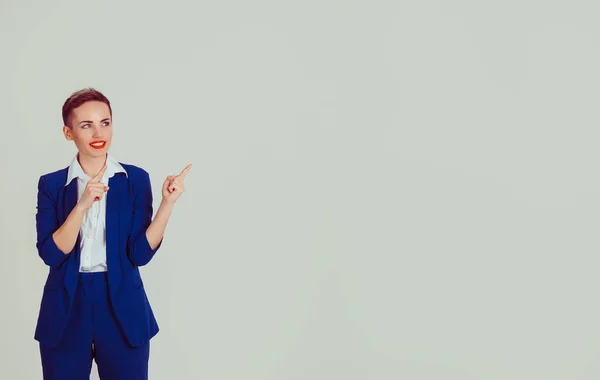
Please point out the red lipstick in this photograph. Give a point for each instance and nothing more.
(98, 144)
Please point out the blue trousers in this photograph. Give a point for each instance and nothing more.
(93, 333)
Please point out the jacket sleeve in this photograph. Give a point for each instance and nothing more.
(138, 248)
(46, 224)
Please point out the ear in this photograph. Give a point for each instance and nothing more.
(68, 133)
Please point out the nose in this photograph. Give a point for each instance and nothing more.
(97, 132)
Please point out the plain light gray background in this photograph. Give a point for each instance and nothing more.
(380, 190)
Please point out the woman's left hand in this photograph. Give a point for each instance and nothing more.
(173, 186)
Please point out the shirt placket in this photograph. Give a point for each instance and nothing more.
(91, 227)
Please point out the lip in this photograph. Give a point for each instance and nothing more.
(98, 141)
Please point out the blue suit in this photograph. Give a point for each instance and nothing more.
(128, 215)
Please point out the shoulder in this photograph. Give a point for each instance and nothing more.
(134, 170)
(135, 173)
(50, 184)
(55, 179)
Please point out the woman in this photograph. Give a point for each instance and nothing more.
(94, 230)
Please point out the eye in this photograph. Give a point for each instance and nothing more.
(85, 126)
(106, 123)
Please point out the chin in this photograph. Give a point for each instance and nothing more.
(96, 153)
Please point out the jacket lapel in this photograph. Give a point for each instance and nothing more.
(72, 269)
(117, 187)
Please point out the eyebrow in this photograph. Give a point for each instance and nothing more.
(89, 121)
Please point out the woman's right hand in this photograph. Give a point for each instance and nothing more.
(94, 191)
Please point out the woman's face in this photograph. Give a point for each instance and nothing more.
(91, 129)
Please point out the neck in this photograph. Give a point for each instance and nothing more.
(91, 165)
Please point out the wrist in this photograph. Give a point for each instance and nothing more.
(79, 209)
(165, 205)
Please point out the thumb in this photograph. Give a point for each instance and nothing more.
(168, 182)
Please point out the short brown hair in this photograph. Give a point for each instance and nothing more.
(78, 98)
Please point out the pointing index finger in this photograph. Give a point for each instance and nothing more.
(98, 176)
(185, 171)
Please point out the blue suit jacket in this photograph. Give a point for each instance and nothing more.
(128, 215)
